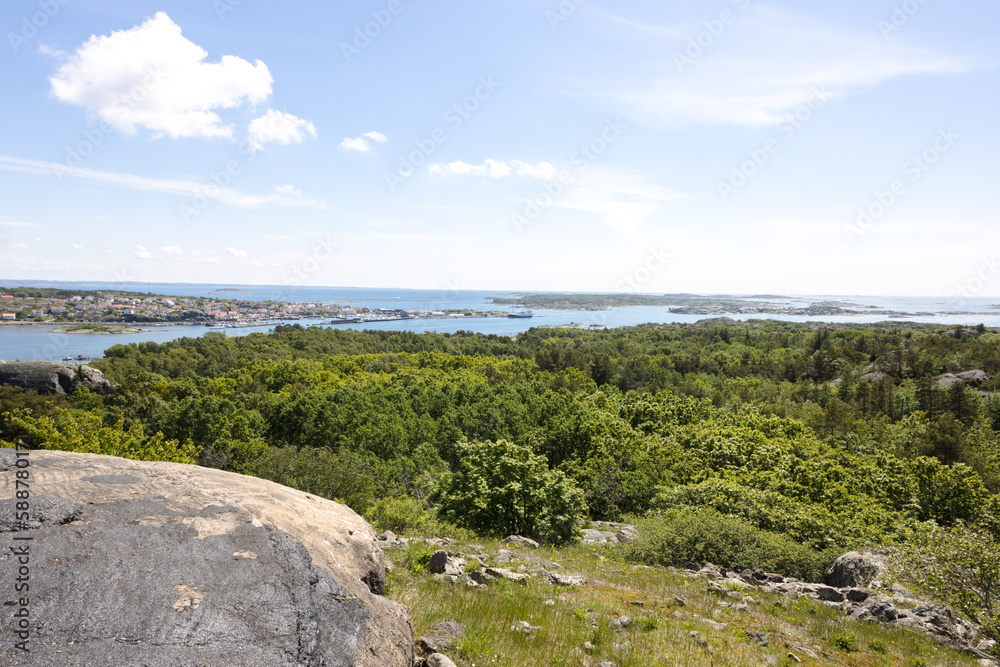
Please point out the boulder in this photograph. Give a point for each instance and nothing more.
(52, 377)
(521, 541)
(444, 563)
(164, 564)
(856, 569)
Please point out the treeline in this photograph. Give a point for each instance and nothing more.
(832, 437)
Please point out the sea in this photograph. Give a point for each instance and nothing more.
(41, 342)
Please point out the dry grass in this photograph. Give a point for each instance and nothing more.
(655, 637)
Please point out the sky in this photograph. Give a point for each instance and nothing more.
(729, 146)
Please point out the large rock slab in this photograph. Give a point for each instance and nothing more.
(52, 377)
(164, 564)
(856, 569)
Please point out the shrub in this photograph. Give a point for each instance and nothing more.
(85, 433)
(403, 515)
(959, 565)
(676, 537)
(500, 488)
(847, 643)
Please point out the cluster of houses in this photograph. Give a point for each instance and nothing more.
(97, 308)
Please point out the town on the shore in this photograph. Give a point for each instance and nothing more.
(54, 306)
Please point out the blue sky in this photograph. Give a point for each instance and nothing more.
(732, 146)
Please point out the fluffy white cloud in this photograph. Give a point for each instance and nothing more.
(142, 253)
(288, 190)
(152, 76)
(23, 246)
(495, 169)
(171, 250)
(281, 127)
(362, 144)
(75, 246)
(236, 253)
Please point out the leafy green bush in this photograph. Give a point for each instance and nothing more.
(959, 565)
(85, 433)
(500, 488)
(403, 515)
(680, 536)
(847, 643)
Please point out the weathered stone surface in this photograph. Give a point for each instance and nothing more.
(521, 541)
(855, 569)
(52, 377)
(438, 660)
(443, 563)
(501, 573)
(161, 564)
(565, 579)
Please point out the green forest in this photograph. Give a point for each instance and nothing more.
(803, 441)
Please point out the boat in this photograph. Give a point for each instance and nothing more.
(521, 314)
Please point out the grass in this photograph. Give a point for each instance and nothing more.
(660, 632)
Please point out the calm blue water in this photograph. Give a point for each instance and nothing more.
(39, 342)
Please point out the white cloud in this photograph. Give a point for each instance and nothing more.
(623, 199)
(75, 246)
(152, 76)
(281, 127)
(183, 188)
(362, 144)
(11, 223)
(288, 190)
(495, 169)
(172, 250)
(212, 260)
(142, 253)
(765, 66)
(23, 246)
(236, 253)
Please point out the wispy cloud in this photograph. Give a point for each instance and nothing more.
(763, 67)
(363, 144)
(495, 169)
(176, 187)
(236, 253)
(12, 223)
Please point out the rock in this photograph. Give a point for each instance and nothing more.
(620, 623)
(438, 660)
(715, 625)
(565, 579)
(857, 594)
(481, 578)
(132, 564)
(442, 562)
(877, 376)
(524, 627)
(591, 536)
(52, 377)
(588, 647)
(500, 573)
(759, 637)
(503, 556)
(429, 644)
(973, 376)
(829, 594)
(677, 616)
(698, 638)
(855, 569)
(521, 541)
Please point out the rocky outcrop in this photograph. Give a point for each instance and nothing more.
(856, 569)
(973, 377)
(607, 532)
(52, 377)
(162, 564)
